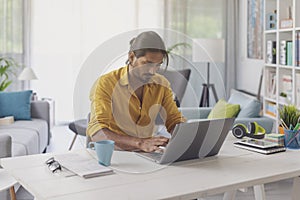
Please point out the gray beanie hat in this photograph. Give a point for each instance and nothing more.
(147, 40)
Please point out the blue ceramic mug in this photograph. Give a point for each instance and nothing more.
(104, 150)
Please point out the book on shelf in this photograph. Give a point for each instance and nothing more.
(85, 166)
(282, 56)
(287, 83)
(271, 84)
(271, 109)
(286, 53)
(297, 45)
(271, 52)
(297, 77)
(289, 53)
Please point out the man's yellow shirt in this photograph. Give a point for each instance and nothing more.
(115, 106)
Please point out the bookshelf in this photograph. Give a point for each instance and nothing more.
(282, 56)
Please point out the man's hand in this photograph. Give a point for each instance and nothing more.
(152, 144)
(130, 143)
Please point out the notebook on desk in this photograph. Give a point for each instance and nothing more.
(83, 165)
(192, 140)
(259, 146)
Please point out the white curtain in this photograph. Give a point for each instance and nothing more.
(14, 35)
(232, 39)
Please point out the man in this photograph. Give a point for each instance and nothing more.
(126, 102)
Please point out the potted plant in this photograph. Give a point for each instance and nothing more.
(290, 115)
(282, 97)
(174, 48)
(290, 118)
(8, 68)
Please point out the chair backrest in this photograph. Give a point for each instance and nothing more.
(178, 80)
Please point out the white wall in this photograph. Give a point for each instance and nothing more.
(65, 32)
(150, 13)
(248, 70)
(55, 53)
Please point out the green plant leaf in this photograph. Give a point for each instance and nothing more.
(8, 68)
(289, 114)
(175, 46)
(4, 85)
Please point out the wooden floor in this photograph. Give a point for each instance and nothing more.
(62, 137)
(61, 140)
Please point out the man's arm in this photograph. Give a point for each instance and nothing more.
(130, 143)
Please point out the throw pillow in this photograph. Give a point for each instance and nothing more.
(250, 107)
(222, 109)
(16, 104)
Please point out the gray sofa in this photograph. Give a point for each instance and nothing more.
(250, 109)
(28, 136)
(5, 151)
(202, 113)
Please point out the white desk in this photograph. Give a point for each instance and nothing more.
(233, 168)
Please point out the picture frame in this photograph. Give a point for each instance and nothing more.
(286, 23)
(255, 26)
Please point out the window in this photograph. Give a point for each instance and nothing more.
(196, 18)
(11, 26)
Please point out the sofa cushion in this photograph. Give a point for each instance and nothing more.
(24, 141)
(222, 109)
(195, 112)
(28, 137)
(16, 104)
(250, 107)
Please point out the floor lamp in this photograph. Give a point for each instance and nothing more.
(208, 51)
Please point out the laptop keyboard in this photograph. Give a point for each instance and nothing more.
(151, 155)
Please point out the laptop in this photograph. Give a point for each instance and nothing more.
(193, 140)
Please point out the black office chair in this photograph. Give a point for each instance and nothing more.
(178, 80)
(79, 128)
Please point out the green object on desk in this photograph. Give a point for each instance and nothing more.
(274, 135)
(297, 126)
